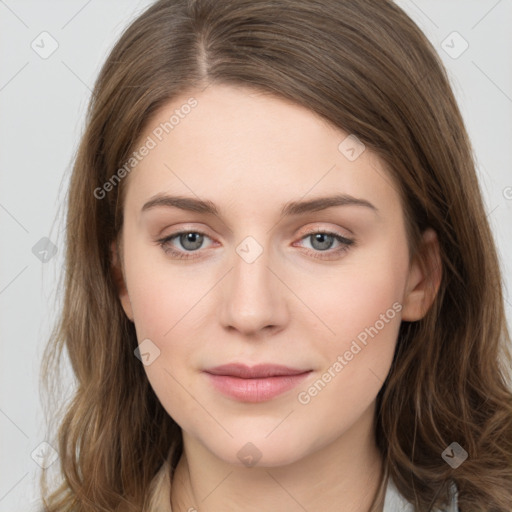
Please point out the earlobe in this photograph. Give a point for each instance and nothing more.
(424, 279)
(119, 281)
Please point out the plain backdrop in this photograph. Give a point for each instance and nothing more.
(42, 103)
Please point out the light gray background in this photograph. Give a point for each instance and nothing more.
(42, 104)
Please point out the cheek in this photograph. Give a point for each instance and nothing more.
(366, 323)
(363, 308)
(164, 308)
(364, 311)
(160, 292)
(368, 290)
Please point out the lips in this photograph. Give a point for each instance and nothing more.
(258, 383)
(260, 371)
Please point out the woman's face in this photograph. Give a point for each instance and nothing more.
(252, 284)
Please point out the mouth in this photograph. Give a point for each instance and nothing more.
(257, 383)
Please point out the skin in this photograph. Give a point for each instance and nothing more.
(250, 153)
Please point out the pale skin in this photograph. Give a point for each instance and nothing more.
(250, 154)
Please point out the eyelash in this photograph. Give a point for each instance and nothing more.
(346, 244)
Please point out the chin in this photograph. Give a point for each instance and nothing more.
(258, 451)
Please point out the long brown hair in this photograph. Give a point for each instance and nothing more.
(369, 70)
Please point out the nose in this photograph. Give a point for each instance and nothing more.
(254, 298)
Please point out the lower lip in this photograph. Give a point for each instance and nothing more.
(255, 390)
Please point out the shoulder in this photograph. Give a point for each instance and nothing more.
(395, 502)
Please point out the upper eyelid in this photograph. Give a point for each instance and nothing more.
(305, 234)
(304, 231)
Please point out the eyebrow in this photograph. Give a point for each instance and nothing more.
(289, 209)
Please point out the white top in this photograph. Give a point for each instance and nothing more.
(395, 502)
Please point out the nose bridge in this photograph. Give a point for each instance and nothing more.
(253, 298)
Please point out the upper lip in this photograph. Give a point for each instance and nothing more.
(253, 372)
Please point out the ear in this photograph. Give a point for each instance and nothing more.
(424, 278)
(119, 280)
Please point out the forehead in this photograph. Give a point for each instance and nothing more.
(229, 142)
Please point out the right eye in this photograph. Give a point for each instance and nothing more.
(190, 241)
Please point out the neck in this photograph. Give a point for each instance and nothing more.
(342, 476)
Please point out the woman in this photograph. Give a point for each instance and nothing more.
(282, 292)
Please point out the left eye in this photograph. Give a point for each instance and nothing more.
(191, 241)
(324, 241)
